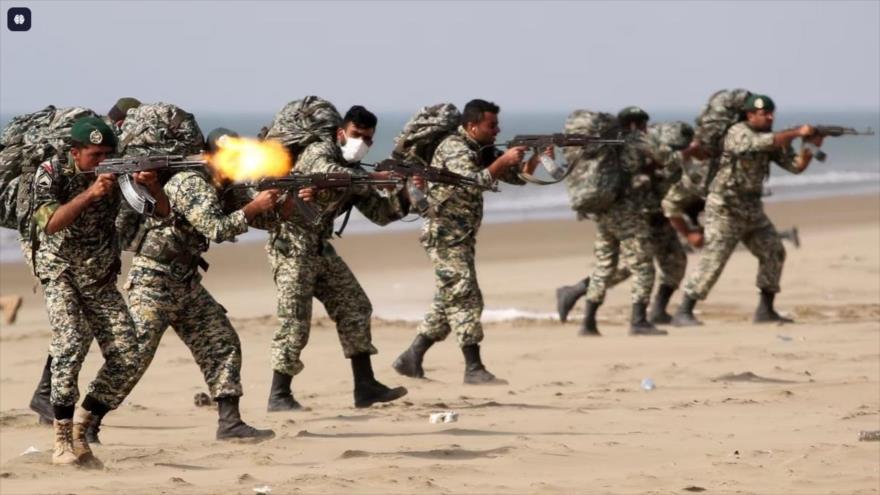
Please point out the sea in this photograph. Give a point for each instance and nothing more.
(852, 166)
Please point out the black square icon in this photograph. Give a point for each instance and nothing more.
(18, 18)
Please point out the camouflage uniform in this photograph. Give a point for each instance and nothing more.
(78, 267)
(305, 265)
(734, 211)
(669, 255)
(624, 242)
(449, 238)
(164, 284)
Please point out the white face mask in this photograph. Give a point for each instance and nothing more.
(354, 149)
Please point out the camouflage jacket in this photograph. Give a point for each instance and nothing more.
(458, 210)
(174, 244)
(87, 249)
(745, 165)
(324, 156)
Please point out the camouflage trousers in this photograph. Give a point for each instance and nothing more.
(157, 301)
(727, 226)
(458, 301)
(623, 246)
(298, 278)
(78, 314)
(670, 257)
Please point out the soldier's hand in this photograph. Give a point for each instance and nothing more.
(419, 182)
(307, 194)
(695, 150)
(387, 175)
(514, 156)
(102, 186)
(150, 179)
(816, 139)
(806, 130)
(265, 200)
(695, 239)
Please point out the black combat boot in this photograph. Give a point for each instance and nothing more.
(40, 402)
(765, 312)
(409, 363)
(230, 426)
(659, 316)
(639, 324)
(280, 396)
(93, 428)
(684, 316)
(474, 371)
(589, 328)
(97, 410)
(367, 390)
(568, 295)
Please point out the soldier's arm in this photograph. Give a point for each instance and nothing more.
(383, 209)
(195, 199)
(50, 214)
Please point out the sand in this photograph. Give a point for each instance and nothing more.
(737, 408)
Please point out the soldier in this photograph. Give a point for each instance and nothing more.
(664, 149)
(450, 235)
(164, 284)
(735, 212)
(40, 403)
(77, 263)
(304, 263)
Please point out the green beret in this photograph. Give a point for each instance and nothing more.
(630, 114)
(216, 135)
(122, 106)
(759, 102)
(92, 130)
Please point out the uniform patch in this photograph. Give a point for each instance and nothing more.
(95, 137)
(44, 177)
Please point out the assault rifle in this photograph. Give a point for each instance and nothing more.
(430, 174)
(294, 182)
(560, 140)
(833, 131)
(137, 195)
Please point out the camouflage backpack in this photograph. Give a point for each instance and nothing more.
(425, 130)
(27, 141)
(723, 109)
(160, 129)
(302, 122)
(595, 179)
(676, 135)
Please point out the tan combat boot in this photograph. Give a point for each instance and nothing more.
(84, 456)
(63, 452)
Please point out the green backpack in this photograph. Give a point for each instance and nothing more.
(596, 177)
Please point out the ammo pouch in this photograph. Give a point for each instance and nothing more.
(181, 262)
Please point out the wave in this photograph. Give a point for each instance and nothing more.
(825, 178)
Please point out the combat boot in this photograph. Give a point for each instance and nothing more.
(81, 423)
(639, 324)
(568, 295)
(93, 429)
(475, 373)
(589, 327)
(409, 363)
(11, 305)
(40, 401)
(281, 396)
(62, 453)
(230, 426)
(765, 312)
(684, 316)
(367, 390)
(659, 315)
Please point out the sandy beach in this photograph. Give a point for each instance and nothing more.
(737, 408)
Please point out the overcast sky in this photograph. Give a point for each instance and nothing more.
(230, 56)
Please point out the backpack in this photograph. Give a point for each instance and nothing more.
(723, 109)
(29, 140)
(596, 178)
(302, 122)
(160, 129)
(676, 135)
(424, 131)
